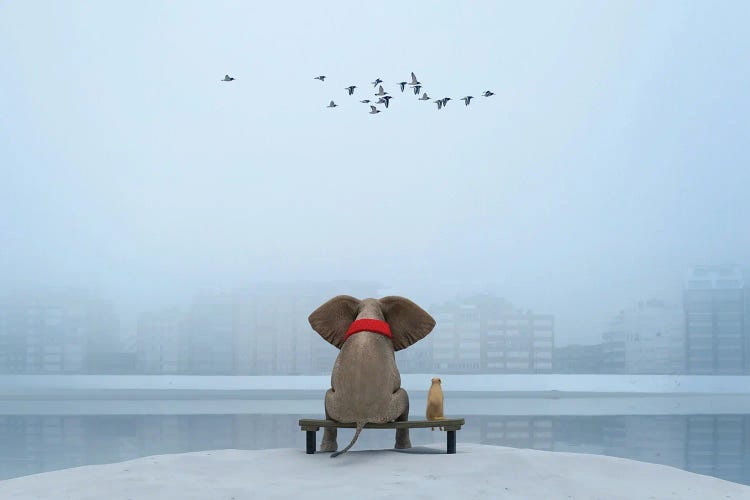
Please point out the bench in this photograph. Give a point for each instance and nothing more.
(451, 425)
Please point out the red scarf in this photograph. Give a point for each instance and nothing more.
(369, 325)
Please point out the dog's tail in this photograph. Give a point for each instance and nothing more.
(360, 426)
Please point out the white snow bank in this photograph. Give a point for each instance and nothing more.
(476, 471)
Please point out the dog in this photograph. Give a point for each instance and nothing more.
(435, 401)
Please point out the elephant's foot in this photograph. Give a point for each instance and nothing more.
(329, 433)
(402, 439)
(329, 438)
(401, 399)
(329, 446)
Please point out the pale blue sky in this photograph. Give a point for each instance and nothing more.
(613, 156)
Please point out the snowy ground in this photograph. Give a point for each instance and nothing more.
(476, 471)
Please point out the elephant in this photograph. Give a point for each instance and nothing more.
(365, 382)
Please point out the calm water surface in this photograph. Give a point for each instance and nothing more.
(40, 440)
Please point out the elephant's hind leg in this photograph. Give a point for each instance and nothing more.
(400, 401)
(329, 433)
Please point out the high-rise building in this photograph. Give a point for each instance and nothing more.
(417, 358)
(263, 330)
(487, 334)
(162, 342)
(55, 332)
(275, 336)
(456, 337)
(646, 338)
(716, 330)
(518, 342)
(211, 334)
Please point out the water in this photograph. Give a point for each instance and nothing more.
(48, 435)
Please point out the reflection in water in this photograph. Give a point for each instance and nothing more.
(713, 445)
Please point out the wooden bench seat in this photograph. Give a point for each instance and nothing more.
(451, 425)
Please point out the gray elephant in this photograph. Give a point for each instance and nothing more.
(365, 382)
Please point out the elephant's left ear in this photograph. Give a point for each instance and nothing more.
(332, 319)
(409, 322)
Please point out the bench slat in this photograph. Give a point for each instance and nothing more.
(448, 424)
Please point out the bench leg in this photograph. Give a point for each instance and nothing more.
(451, 442)
(311, 442)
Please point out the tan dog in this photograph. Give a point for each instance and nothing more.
(435, 401)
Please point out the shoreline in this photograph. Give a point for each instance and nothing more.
(287, 395)
(312, 406)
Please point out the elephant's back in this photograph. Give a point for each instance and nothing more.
(365, 375)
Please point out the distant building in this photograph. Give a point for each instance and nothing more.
(456, 338)
(487, 334)
(647, 338)
(716, 321)
(578, 359)
(613, 346)
(211, 334)
(518, 342)
(417, 358)
(162, 342)
(55, 332)
(263, 330)
(276, 336)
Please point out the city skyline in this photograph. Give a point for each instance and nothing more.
(264, 330)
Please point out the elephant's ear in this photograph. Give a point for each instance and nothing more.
(332, 319)
(409, 322)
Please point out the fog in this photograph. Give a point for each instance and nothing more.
(612, 157)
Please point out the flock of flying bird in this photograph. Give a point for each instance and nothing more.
(385, 98)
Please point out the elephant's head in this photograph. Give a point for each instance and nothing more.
(407, 321)
(365, 383)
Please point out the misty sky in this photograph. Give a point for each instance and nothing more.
(614, 155)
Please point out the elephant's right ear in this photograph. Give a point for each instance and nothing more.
(409, 322)
(332, 319)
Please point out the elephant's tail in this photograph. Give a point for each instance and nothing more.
(360, 426)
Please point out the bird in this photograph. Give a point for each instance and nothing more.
(332, 105)
(376, 82)
(321, 78)
(365, 101)
(387, 100)
(467, 99)
(414, 80)
(381, 91)
(424, 97)
(380, 101)
(417, 88)
(374, 110)
(439, 103)
(445, 101)
(227, 78)
(351, 89)
(402, 85)
(488, 93)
